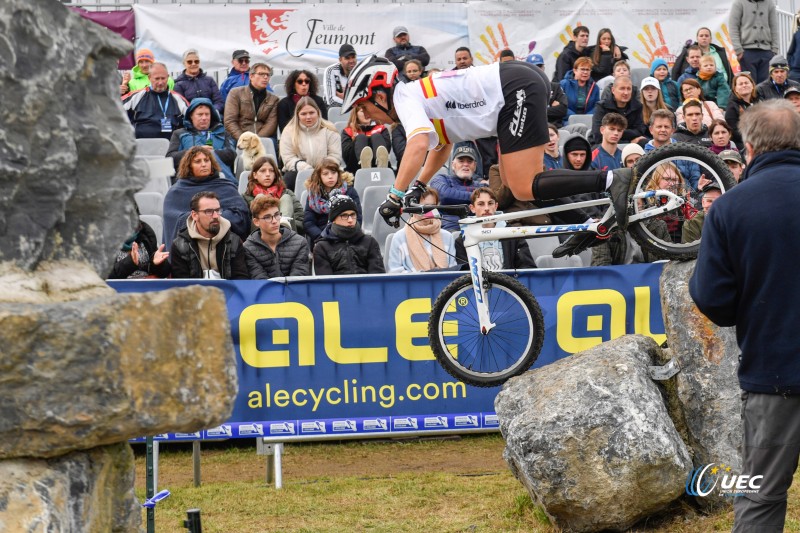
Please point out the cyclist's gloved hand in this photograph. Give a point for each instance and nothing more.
(414, 193)
(390, 210)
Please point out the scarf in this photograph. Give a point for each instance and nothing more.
(321, 202)
(422, 259)
(276, 191)
(345, 233)
(705, 77)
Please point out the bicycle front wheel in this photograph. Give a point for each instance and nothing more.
(507, 350)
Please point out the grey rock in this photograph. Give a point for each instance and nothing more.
(67, 175)
(590, 438)
(705, 395)
(84, 374)
(89, 491)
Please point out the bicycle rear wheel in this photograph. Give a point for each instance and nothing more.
(509, 349)
(680, 169)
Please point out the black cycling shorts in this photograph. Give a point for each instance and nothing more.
(522, 122)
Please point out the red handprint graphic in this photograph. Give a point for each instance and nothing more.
(652, 49)
(493, 48)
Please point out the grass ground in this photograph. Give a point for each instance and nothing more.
(442, 485)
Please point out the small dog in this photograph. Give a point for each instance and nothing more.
(251, 147)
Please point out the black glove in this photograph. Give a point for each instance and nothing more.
(414, 193)
(390, 210)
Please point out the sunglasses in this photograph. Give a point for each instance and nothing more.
(303, 81)
(192, 61)
(243, 60)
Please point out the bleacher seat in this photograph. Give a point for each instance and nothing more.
(586, 257)
(150, 203)
(367, 177)
(548, 261)
(160, 171)
(279, 90)
(269, 146)
(638, 74)
(543, 245)
(303, 198)
(300, 184)
(152, 147)
(340, 125)
(243, 177)
(372, 198)
(335, 115)
(580, 119)
(157, 223)
(387, 246)
(380, 229)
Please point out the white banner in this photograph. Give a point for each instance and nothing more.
(290, 36)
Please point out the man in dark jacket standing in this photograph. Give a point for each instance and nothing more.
(206, 248)
(274, 251)
(403, 50)
(744, 278)
(578, 47)
(755, 35)
(343, 248)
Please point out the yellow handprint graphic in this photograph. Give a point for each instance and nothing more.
(493, 48)
(652, 49)
(728, 45)
(566, 37)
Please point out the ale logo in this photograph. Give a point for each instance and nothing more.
(266, 25)
(703, 480)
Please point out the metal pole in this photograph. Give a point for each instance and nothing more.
(192, 523)
(150, 486)
(278, 468)
(196, 462)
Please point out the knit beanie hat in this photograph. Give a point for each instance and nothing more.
(339, 204)
(574, 144)
(657, 63)
(778, 62)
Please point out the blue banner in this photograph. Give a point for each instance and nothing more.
(347, 356)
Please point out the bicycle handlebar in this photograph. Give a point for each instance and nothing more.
(460, 210)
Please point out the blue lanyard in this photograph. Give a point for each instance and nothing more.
(163, 107)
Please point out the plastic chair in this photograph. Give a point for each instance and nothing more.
(368, 177)
(380, 229)
(541, 246)
(340, 125)
(160, 171)
(150, 203)
(580, 119)
(387, 246)
(152, 147)
(243, 176)
(300, 184)
(157, 223)
(335, 115)
(372, 198)
(548, 261)
(269, 146)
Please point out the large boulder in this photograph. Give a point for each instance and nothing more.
(89, 491)
(83, 374)
(66, 147)
(590, 438)
(705, 395)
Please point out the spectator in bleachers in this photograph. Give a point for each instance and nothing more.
(669, 89)
(552, 159)
(206, 246)
(463, 58)
(693, 229)
(199, 171)
(403, 50)
(622, 249)
(155, 111)
(272, 250)
(139, 77)
(577, 47)
(662, 129)
(365, 142)
(413, 69)
(668, 177)
(793, 53)
(577, 153)
(693, 55)
(457, 186)
(734, 161)
(325, 182)
(778, 81)
(508, 204)
(251, 107)
(582, 92)
(713, 83)
(651, 98)
(239, 75)
(707, 48)
(691, 90)
(754, 34)
(195, 83)
(308, 139)
(691, 128)
(422, 245)
(607, 155)
(620, 102)
(141, 256)
(621, 68)
(744, 95)
(631, 154)
(203, 127)
(506, 55)
(265, 179)
(342, 247)
(793, 95)
(334, 79)
(503, 254)
(721, 134)
(605, 54)
(299, 84)
(557, 104)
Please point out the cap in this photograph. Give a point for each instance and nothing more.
(632, 148)
(465, 151)
(339, 204)
(731, 155)
(791, 90)
(778, 62)
(649, 81)
(346, 49)
(399, 30)
(535, 59)
(239, 54)
(145, 53)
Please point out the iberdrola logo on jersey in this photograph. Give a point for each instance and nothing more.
(266, 26)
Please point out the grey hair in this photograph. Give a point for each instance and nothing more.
(771, 126)
(189, 52)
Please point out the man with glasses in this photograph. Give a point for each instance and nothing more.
(207, 248)
(334, 79)
(252, 107)
(274, 250)
(403, 50)
(239, 76)
(343, 248)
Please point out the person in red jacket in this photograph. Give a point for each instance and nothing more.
(365, 142)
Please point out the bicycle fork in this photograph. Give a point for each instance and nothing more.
(478, 288)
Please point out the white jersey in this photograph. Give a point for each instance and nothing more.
(451, 106)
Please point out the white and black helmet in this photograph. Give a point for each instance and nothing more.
(371, 73)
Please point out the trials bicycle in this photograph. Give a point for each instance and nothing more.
(486, 327)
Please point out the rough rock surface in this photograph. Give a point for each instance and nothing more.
(84, 374)
(707, 389)
(89, 491)
(590, 438)
(67, 176)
